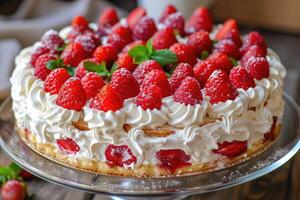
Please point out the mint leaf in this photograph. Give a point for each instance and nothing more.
(150, 47)
(164, 57)
(15, 167)
(204, 55)
(54, 64)
(114, 68)
(100, 69)
(62, 48)
(70, 70)
(6, 174)
(139, 54)
(233, 61)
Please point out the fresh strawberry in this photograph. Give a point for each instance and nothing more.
(135, 15)
(91, 84)
(200, 42)
(254, 38)
(55, 80)
(126, 61)
(108, 17)
(119, 156)
(228, 47)
(107, 99)
(88, 41)
(40, 51)
(240, 78)
(80, 23)
(13, 190)
(182, 71)
(122, 31)
(144, 29)
(150, 97)
(143, 69)
(271, 134)
(52, 40)
(41, 71)
(200, 20)
(219, 88)
(124, 83)
(159, 78)
(163, 39)
(67, 146)
(73, 54)
(184, 53)
(117, 42)
(133, 44)
(71, 95)
(176, 22)
(106, 53)
(255, 51)
(172, 159)
(258, 67)
(228, 25)
(231, 149)
(170, 9)
(80, 70)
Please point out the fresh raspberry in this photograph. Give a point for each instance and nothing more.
(144, 29)
(176, 22)
(219, 88)
(234, 35)
(150, 97)
(170, 9)
(271, 134)
(124, 83)
(80, 69)
(107, 99)
(118, 42)
(189, 92)
(184, 53)
(228, 47)
(122, 31)
(163, 39)
(100, 32)
(73, 54)
(254, 38)
(126, 61)
(88, 41)
(13, 190)
(68, 146)
(221, 60)
(172, 159)
(119, 156)
(133, 44)
(71, 95)
(80, 23)
(182, 71)
(258, 67)
(91, 84)
(144, 68)
(108, 18)
(134, 16)
(106, 53)
(159, 78)
(240, 78)
(40, 51)
(200, 42)
(52, 40)
(255, 51)
(41, 71)
(231, 149)
(200, 20)
(55, 80)
(228, 25)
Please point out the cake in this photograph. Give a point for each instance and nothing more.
(143, 98)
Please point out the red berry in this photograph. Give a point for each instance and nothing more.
(106, 53)
(200, 42)
(231, 149)
(55, 80)
(135, 15)
(67, 146)
(255, 51)
(150, 97)
(228, 47)
(200, 20)
(219, 88)
(184, 53)
(40, 51)
(100, 32)
(73, 54)
(107, 99)
(175, 21)
(164, 38)
(182, 71)
(88, 41)
(240, 78)
(91, 84)
(124, 83)
(254, 38)
(144, 29)
(271, 134)
(108, 18)
(144, 68)
(80, 23)
(80, 69)
(172, 159)
(117, 42)
(13, 190)
(123, 31)
(189, 92)
(41, 71)
(26, 175)
(126, 61)
(228, 25)
(52, 40)
(71, 95)
(119, 156)
(133, 44)
(258, 67)
(221, 60)
(170, 9)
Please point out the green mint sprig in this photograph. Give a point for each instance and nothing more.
(99, 69)
(54, 64)
(10, 172)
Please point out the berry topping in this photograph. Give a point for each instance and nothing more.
(200, 20)
(80, 23)
(108, 18)
(132, 45)
(67, 146)
(255, 51)
(38, 52)
(73, 54)
(13, 190)
(88, 41)
(106, 53)
(107, 99)
(91, 84)
(150, 97)
(240, 78)
(231, 149)
(228, 25)
(172, 159)
(228, 47)
(254, 38)
(219, 88)
(175, 21)
(182, 71)
(71, 95)
(134, 16)
(271, 134)
(123, 31)
(170, 9)
(258, 67)
(184, 53)
(117, 42)
(126, 61)
(119, 156)
(200, 42)
(124, 83)
(55, 80)
(41, 71)
(52, 40)
(80, 70)
(164, 38)
(143, 69)
(144, 29)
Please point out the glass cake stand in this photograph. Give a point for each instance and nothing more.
(286, 146)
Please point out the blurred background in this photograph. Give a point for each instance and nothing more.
(23, 21)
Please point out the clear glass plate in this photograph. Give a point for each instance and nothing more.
(287, 144)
